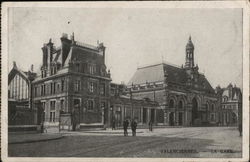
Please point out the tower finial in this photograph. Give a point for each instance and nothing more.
(190, 39)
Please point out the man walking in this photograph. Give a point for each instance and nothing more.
(125, 127)
(150, 124)
(133, 127)
(113, 124)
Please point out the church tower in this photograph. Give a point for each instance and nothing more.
(189, 54)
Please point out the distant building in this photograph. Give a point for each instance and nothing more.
(19, 97)
(184, 95)
(73, 87)
(231, 105)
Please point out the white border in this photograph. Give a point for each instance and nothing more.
(199, 4)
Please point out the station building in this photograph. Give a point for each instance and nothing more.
(184, 95)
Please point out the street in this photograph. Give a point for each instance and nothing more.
(189, 142)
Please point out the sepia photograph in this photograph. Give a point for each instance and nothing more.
(125, 81)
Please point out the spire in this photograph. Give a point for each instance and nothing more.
(189, 54)
(190, 44)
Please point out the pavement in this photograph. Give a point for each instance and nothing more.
(17, 138)
(215, 142)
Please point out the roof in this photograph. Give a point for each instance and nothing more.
(15, 70)
(152, 73)
(174, 74)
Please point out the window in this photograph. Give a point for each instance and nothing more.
(90, 104)
(212, 117)
(102, 105)
(180, 105)
(45, 73)
(102, 89)
(84, 68)
(52, 105)
(54, 88)
(212, 108)
(52, 116)
(35, 91)
(62, 85)
(43, 90)
(77, 86)
(51, 71)
(52, 111)
(51, 88)
(78, 67)
(92, 69)
(62, 105)
(171, 103)
(91, 87)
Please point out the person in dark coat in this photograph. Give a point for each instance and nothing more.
(133, 127)
(125, 127)
(150, 124)
(113, 124)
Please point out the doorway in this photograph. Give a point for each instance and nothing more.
(171, 119)
(180, 117)
(153, 115)
(194, 110)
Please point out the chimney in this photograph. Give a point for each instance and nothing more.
(32, 68)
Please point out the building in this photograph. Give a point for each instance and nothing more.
(20, 111)
(184, 95)
(231, 105)
(125, 107)
(72, 90)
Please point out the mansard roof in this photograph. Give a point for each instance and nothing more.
(174, 74)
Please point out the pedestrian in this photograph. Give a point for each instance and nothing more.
(113, 124)
(240, 129)
(42, 127)
(125, 127)
(150, 124)
(133, 127)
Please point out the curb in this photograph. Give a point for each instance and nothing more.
(33, 141)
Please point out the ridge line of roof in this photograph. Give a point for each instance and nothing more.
(157, 64)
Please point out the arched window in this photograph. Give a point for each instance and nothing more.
(212, 108)
(180, 105)
(207, 106)
(171, 103)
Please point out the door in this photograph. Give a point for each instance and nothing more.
(171, 119)
(153, 115)
(180, 118)
(144, 115)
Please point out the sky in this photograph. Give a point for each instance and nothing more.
(135, 38)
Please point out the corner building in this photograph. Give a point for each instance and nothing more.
(73, 87)
(184, 95)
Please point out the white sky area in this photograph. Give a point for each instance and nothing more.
(135, 37)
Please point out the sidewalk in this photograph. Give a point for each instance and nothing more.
(32, 137)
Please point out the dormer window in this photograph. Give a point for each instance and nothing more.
(77, 67)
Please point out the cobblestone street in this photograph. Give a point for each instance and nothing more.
(164, 142)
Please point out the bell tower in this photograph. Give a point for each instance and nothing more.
(189, 54)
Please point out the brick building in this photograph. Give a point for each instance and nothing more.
(184, 95)
(73, 87)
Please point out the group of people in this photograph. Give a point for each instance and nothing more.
(133, 127)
